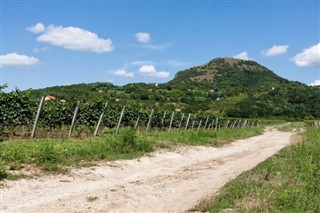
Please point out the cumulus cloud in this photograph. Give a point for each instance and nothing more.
(315, 83)
(38, 28)
(244, 56)
(14, 59)
(150, 70)
(124, 73)
(309, 57)
(147, 69)
(73, 38)
(143, 37)
(275, 50)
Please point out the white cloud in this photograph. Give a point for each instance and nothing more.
(75, 38)
(150, 70)
(244, 56)
(315, 83)
(14, 59)
(147, 69)
(158, 46)
(38, 28)
(124, 73)
(36, 50)
(140, 63)
(143, 37)
(309, 57)
(275, 50)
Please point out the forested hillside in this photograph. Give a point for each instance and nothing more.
(224, 87)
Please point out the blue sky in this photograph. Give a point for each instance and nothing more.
(48, 43)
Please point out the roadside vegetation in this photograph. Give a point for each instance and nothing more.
(57, 155)
(290, 126)
(287, 182)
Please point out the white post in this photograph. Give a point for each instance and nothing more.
(120, 118)
(164, 115)
(216, 126)
(181, 121)
(205, 124)
(137, 121)
(74, 118)
(100, 119)
(199, 125)
(149, 122)
(188, 121)
(37, 116)
(171, 121)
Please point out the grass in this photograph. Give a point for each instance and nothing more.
(202, 137)
(287, 182)
(57, 155)
(290, 126)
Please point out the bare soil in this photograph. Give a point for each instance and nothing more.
(164, 181)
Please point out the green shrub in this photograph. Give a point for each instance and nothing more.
(47, 153)
(126, 141)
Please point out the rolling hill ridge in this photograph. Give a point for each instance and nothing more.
(223, 86)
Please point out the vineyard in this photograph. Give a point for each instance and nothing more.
(55, 118)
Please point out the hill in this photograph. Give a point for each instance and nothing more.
(227, 74)
(223, 86)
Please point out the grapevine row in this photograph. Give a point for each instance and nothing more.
(18, 109)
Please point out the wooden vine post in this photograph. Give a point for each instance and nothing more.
(193, 122)
(137, 121)
(74, 118)
(181, 121)
(100, 119)
(37, 117)
(120, 118)
(227, 124)
(149, 122)
(216, 126)
(199, 125)
(188, 119)
(164, 116)
(171, 120)
(206, 122)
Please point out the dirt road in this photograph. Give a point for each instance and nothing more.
(165, 181)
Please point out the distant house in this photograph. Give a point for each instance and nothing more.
(50, 98)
